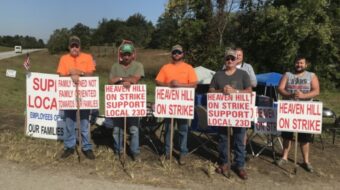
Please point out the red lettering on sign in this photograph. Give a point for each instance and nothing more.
(40, 84)
(42, 102)
(284, 123)
(291, 108)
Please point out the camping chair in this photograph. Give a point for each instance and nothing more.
(149, 125)
(200, 125)
(268, 140)
(328, 113)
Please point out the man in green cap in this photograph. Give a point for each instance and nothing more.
(126, 72)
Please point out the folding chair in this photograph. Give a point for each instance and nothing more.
(200, 125)
(149, 125)
(328, 113)
(269, 140)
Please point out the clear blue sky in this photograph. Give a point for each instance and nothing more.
(39, 18)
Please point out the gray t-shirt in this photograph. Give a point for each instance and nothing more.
(238, 80)
(119, 70)
(249, 69)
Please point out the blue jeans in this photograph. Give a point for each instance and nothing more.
(132, 124)
(238, 145)
(182, 125)
(71, 127)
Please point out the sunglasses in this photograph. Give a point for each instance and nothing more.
(230, 58)
(74, 46)
(126, 54)
(176, 52)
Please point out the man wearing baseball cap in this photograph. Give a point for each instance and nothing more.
(126, 72)
(76, 64)
(228, 81)
(177, 73)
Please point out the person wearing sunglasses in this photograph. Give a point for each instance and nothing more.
(177, 73)
(228, 81)
(76, 64)
(126, 72)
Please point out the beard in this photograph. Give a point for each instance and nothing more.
(176, 59)
(301, 70)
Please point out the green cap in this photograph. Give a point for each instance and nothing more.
(127, 48)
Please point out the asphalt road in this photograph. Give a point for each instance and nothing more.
(8, 54)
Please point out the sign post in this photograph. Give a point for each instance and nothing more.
(124, 150)
(78, 124)
(295, 152)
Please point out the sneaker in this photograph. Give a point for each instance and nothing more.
(182, 159)
(242, 173)
(89, 154)
(308, 167)
(281, 162)
(136, 158)
(67, 152)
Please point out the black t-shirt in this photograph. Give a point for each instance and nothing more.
(239, 80)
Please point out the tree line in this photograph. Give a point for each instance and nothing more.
(24, 41)
(272, 33)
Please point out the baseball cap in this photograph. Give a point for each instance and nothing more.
(230, 52)
(177, 47)
(74, 40)
(127, 48)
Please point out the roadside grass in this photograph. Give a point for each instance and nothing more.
(3, 48)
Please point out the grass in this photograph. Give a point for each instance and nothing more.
(2, 48)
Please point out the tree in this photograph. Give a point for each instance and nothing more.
(58, 41)
(281, 30)
(83, 32)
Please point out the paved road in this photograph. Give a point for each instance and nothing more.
(8, 54)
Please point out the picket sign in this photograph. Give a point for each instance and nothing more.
(299, 116)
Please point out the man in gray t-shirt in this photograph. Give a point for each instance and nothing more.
(231, 80)
(126, 72)
(244, 66)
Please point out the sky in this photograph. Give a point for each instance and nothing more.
(39, 18)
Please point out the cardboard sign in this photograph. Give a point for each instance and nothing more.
(88, 93)
(174, 102)
(265, 122)
(299, 116)
(11, 73)
(234, 110)
(43, 118)
(125, 102)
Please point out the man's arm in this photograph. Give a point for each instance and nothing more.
(214, 90)
(282, 88)
(175, 83)
(252, 76)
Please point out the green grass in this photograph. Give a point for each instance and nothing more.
(2, 48)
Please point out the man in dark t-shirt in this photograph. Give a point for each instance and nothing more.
(231, 80)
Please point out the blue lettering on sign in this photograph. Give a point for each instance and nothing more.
(41, 116)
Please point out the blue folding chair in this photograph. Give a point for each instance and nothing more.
(200, 126)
